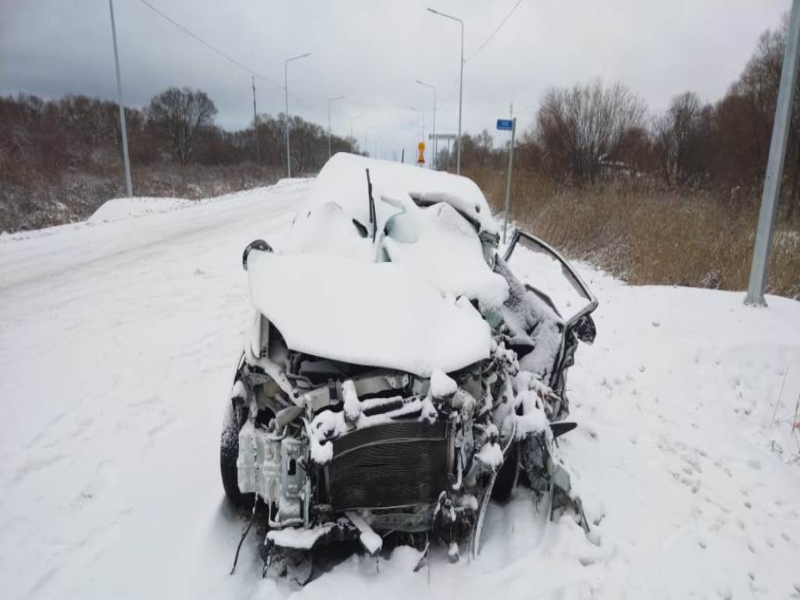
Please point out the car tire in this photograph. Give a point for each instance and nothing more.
(235, 418)
(506, 477)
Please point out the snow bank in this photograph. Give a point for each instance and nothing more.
(376, 314)
(124, 208)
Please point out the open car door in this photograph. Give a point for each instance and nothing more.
(547, 274)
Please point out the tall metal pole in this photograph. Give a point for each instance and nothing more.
(460, 83)
(288, 120)
(128, 186)
(460, 99)
(330, 100)
(447, 166)
(508, 181)
(422, 122)
(435, 141)
(777, 152)
(366, 131)
(288, 145)
(255, 121)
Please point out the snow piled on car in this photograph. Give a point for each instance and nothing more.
(374, 314)
(428, 221)
(389, 289)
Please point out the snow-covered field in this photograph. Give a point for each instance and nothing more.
(118, 341)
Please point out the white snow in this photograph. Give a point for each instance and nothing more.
(437, 242)
(533, 419)
(350, 403)
(377, 314)
(491, 455)
(343, 181)
(440, 245)
(441, 386)
(124, 208)
(292, 537)
(372, 541)
(118, 343)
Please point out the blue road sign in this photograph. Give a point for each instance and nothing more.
(505, 124)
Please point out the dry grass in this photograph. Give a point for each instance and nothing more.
(646, 235)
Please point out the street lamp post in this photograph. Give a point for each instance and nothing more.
(331, 100)
(435, 141)
(351, 123)
(759, 268)
(422, 114)
(288, 120)
(422, 120)
(128, 186)
(460, 84)
(366, 132)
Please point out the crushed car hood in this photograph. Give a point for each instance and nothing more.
(372, 314)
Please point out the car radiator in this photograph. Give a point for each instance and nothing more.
(392, 465)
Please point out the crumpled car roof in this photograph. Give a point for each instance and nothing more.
(426, 253)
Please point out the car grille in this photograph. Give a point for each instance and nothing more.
(393, 465)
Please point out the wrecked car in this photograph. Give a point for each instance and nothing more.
(400, 371)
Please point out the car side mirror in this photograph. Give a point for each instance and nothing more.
(585, 329)
(254, 245)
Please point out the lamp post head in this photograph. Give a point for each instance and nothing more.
(288, 60)
(441, 14)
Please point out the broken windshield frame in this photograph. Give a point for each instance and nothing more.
(536, 245)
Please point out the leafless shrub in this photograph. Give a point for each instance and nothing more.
(180, 115)
(679, 139)
(580, 128)
(644, 234)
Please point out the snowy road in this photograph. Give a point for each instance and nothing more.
(117, 344)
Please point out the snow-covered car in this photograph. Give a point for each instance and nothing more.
(399, 372)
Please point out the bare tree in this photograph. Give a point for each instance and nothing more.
(581, 128)
(179, 115)
(678, 138)
(483, 147)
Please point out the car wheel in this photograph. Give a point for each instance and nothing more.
(506, 477)
(235, 418)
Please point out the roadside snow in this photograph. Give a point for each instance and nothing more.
(118, 343)
(124, 208)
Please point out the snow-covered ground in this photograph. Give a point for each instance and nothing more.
(126, 208)
(117, 345)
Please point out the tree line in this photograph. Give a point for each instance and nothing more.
(176, 126)
(592, 132)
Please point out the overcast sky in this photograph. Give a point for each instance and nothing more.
(372, 52)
